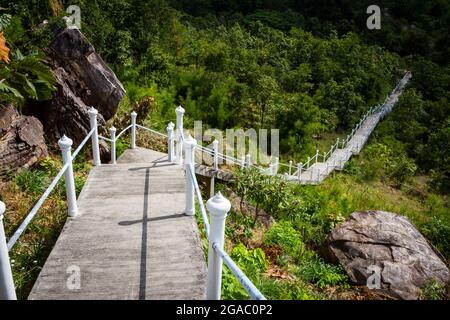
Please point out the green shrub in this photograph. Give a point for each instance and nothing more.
(433, 290)
(252, 262)
(33, 182)
(284, 235)
(438, 232)
(320, 273)
(276, 289)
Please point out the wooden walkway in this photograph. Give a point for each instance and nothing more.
(130, 239)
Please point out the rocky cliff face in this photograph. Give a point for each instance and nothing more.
(82, 80)
(21, 140)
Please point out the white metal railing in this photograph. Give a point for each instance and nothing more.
(7, 290)
(218, 207)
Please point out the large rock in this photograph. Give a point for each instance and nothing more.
(82, 80)
(373, 240)
(22, 141)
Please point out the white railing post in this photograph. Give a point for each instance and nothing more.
(170, 141)
(65, 144)
(218, 207)
(7, 290)
(189, 151)
(317, 155)
(318, 175)
(307, 164)
(242, 161)
(95, 146)
(324, 156)
(337, 143)
(133, 130)
(112, 132)
(179, 131)
(290, 167)
(312, 172)
(216, 154)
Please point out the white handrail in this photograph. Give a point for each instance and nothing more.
(105, 138)
(36, 207)
(123, 131)
(200, 202)
(85, 140)
(151, 130)
(12, 241)
(248, 285)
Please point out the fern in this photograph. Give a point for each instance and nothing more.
(26, 78)
(5, 19)
(8, 89)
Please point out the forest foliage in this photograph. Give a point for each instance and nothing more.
(308, 68)
(269, 64)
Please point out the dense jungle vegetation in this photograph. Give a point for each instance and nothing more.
(308, 68)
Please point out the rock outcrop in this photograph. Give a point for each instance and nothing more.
(22, 141)
(82, 80)
(383, 245)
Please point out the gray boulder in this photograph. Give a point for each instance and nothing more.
(381, 245)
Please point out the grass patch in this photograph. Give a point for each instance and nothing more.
(20, 194)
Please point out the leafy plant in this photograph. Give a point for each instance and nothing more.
(252, 262)
(316, 271)
(433, 290)
(284, 235)
(22, 76)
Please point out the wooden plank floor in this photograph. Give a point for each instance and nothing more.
(131, 239)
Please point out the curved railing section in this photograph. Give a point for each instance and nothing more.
(218, 207)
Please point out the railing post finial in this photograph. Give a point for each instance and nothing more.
(7, 291)
(65, 144)
(218, 207)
